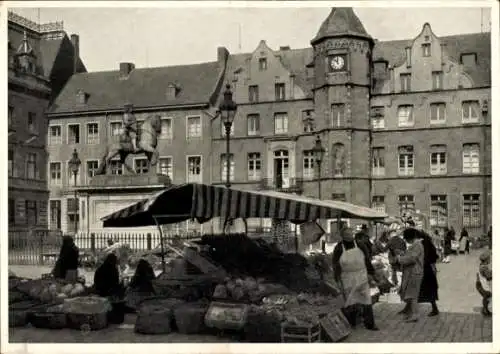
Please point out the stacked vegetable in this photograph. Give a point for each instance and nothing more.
(50, 290)
(246, 289)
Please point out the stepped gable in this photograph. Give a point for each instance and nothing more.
(144, 87)
(342, 21)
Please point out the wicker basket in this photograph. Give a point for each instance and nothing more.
(190, 318)
(18, 318)
(87, 322)
(50, 320)
(154, 320)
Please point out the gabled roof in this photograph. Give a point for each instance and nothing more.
(341, 21)
(145, 87)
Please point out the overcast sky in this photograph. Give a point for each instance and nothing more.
(172, 36)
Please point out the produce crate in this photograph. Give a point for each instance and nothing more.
(263, 327)
(224, 315)
(190, 318)
(154, 320)
(51, 318)
(309, 333)
(87, 322)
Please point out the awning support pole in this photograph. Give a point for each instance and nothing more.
(163, 266)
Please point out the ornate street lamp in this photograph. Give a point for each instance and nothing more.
(319, 152)
(74, 165)
(227, 110)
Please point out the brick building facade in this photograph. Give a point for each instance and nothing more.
(406, 124)
(41, 58)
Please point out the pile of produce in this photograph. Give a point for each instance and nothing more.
(382, 275)
(246, 289)
(50, 290)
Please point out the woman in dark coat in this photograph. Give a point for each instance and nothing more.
(141, 284)
(448, 237)
(429, 287)
(107, 279)
(464, 241)
(68, 261)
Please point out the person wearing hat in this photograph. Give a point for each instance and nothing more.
(412, 263)
(396, 246)
(353, 271)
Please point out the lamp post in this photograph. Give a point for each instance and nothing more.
(319, 153)
(74, 165)
(227, 110)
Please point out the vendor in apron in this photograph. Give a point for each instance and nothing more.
(352, 268)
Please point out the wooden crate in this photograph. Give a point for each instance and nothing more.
(291, 333)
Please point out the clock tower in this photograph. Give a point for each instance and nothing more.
(342, 68)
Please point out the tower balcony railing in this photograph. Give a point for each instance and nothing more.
(282, 184)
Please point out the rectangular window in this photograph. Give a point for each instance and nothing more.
(166, 167)
(405, 82)
(12, 211)
(116, 167)
(468, 60)
(308, 120)
(426, 50)
(308, 165)
(439, 211)
(92, 167)
(378, 117)
(471, 211)
(141, 165)
(166, 128)
(470, 112)
(71, 176)
(10, 116)
(263, 64)
(11, 164)
(92, 133)
(55, 135)
(405, 116)
(406, 159)
(223, 167)
(31, 213)
(470, 160)
(338, 115)
(74, 134)
(378, 203)
(32, 128)
(437, 80)
(55, 214)
(253, 93)
(115, 128)
(194, 169)
(55, 173)
(31, 167)
(254, 166)
(279, 92)
(194, 127)
(438, 113)
(378, 165)
(280, 123)
(438, 160)
(406, 204)
(253, 124)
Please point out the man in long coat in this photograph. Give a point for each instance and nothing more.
(429, 286)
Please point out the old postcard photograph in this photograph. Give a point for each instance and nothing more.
(233, 177)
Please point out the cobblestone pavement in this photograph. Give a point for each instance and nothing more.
(459, 320)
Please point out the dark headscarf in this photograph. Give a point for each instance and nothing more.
(410, 234)
(68, 258)
(107, 277)
(430, 252)
(143, 277)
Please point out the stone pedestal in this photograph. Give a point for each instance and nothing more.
(109, 193)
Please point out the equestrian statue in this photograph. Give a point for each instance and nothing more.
(134, 140)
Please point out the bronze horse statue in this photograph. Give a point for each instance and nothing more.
(147, 141)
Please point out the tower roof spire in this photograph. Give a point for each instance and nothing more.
(342, 21)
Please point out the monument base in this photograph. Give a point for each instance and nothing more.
(107, 194)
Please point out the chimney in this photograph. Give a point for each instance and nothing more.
(222, 54)
(126, 69)
(285, 47)
(75, 40)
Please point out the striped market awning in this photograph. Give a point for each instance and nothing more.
(204, 202)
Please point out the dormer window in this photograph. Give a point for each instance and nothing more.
(81, 97)
(263, 64)
(380, 67)
(172, 91)
(468, 59)
(426, 50)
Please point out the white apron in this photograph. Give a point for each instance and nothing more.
(354, 277)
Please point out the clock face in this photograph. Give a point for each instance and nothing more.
(337, 62)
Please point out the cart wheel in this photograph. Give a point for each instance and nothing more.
(85, 328)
